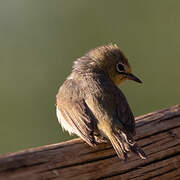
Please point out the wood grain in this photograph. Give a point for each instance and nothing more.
(158, 133)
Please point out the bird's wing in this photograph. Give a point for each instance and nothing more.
(124, 113)
(117, 105)
(124, 138)
(124, 123)
(75, 112)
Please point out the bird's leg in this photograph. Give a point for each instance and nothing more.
(100, 139)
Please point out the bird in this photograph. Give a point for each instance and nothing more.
(91, 105)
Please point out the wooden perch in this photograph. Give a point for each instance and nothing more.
(158, 133)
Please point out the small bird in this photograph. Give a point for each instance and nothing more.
(90, 104)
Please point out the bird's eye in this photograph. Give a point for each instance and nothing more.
(120, 67)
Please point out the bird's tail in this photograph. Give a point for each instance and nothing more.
(124, 143)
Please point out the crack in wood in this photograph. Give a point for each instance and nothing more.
(142, 165)
(156, 133)
(160, 174)
(81, 163)
(144, 173)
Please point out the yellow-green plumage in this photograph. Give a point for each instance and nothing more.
(90, 104)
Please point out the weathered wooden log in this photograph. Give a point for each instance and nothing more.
(158, 133)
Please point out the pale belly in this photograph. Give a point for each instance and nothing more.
(65, 125)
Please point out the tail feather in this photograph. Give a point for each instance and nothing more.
(124, 143)
(118, 148)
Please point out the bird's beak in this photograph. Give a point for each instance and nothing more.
(133, 77)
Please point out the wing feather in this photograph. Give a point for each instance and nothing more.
(75, 112)
(125, 114)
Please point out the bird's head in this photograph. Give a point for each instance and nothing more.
(112, 61)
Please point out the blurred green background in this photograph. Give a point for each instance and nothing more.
(39, 40)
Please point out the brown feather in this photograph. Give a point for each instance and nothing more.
(92, 105)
